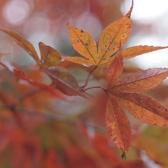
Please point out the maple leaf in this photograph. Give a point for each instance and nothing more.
(64, 81)
(26, 45)
(49, 56)
(117, 32)
(122, 95)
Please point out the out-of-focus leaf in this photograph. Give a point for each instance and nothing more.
(130, 69)
(155, 149)
(52, 160)
(64, 81)
(42, 86)
(49, 56)
(26, 45)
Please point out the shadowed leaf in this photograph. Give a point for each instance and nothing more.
(39, 85)
(49, 56)
(117, 123)
(26, 45)
(64, 81)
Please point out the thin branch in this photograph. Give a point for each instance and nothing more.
(32, 92)
(87, 79)
(4, 66)
(94, 87)
(57, 117)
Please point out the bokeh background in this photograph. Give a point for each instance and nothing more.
(46, 21)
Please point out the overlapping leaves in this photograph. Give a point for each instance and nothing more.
(122, 95)
(114, 34)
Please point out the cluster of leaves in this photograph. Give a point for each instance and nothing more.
(122, 95)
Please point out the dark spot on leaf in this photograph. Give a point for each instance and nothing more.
(109, 39)
(77, 40)
(105, 46)
(82, 31)
(114, 43)
(86, 44)
(108, 49)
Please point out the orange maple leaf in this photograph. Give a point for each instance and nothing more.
(114, 34)
(122, 95)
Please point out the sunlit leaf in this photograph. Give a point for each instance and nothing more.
(116, 33)
(84, 44)
(138, 50)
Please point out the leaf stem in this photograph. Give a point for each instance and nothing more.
(4, 65)
(87, 79)
(94, 87)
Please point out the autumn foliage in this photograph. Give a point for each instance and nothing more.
(35, 133)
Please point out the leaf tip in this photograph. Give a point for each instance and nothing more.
(124, 155)
(68, 25)
(130, 11)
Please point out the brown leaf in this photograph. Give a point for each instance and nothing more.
(64, 81)
(142, 80)
(115, 69)
(26, 45)
(143, 108)
(49, 56)
(118, 124)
